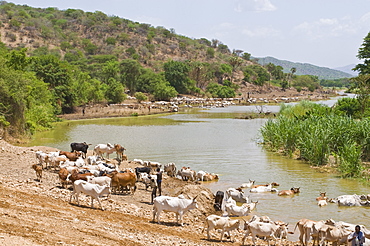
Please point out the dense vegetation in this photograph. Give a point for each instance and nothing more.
(54, 60)
(315, 132)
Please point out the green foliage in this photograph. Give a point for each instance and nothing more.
(339, 83)
(164, 91)
(256, 74)
(130, 72)
(115, 91)
(140, 97)
(111, 41)
(315, 132)
(176, 73)
(210, 52)
(364, 54)
(348, 106)
(220, 91)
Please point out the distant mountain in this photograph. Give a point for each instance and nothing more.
(348, 69)
(305, 68)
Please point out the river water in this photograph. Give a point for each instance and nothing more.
(214, 140)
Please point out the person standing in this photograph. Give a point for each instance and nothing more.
(356, 238)
(159, 181)
(154, 185)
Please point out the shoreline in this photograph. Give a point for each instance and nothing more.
(132, 108)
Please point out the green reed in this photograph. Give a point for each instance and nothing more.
(314, 132)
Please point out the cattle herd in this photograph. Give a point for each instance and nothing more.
(96, 177)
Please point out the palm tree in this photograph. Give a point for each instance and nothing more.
(292, 71)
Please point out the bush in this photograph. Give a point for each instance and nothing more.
(140, 97)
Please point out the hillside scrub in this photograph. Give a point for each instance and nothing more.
(315, 133)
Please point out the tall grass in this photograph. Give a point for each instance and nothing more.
(316, 132)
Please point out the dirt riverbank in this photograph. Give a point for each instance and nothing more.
(39, 213)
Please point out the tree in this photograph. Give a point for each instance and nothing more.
(235, 62)
(130, 73)
(364, 54)
(362, 85)
(164, 91)
(57, 75)
(177, 74)
(140, 97)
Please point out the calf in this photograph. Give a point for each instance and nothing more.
(224, 223)
(38, 170)
(93, 190)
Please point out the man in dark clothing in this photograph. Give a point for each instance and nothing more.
(159, 181)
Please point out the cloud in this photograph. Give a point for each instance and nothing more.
(261, 32)
(327, 27)
(254, 6)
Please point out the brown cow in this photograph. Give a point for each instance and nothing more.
(75, 175)
(210, 177)
(322, 196)
(119, 151)
(63, 175)
(292, 191)
(122, 180)
(38, 170)
(72, 156)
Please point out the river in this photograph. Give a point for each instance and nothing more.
(214, 140)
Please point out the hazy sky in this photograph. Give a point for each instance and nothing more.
(325, 33)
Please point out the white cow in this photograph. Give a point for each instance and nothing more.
(179, 205)
(170, 169)
(200, 175)
(248, 185)
(93, 190)
(224, 223)
(233, 209)
(186, 174)
(333, 234)
(236, 194)
(103, 180)
(100, 149)
(92, 159)
(322, 203)
(261, 229)
(147, 179)
(348, 200)
(263, 189)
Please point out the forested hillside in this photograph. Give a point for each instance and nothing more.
(305, 68)
(54, 60)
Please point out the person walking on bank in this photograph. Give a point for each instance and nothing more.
(356, 238)
(159, 181)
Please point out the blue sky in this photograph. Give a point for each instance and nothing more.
(325, 33)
